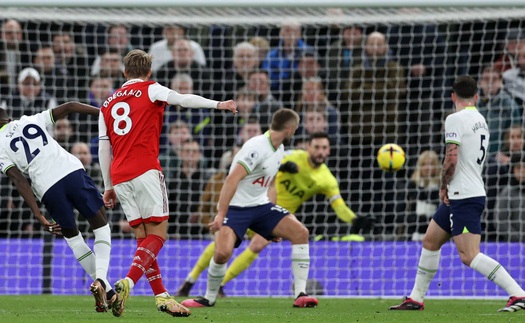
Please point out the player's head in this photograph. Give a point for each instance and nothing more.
(465, 90)
(318, 148)
(137, 64)
(285, 121)
(4, 117)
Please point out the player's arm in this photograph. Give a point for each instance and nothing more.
(198, 102)
(449, 167)
(158, 92)
(104, 158)
(66, 108)
(342, 210)
(24, 188)
(227, 192)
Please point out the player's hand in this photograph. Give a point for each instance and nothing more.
(229, 105)
(443, 196)
(277, 239)
(50, 226)
(289, 167)
(110, 199)
(216, 224)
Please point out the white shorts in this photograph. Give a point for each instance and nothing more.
(144, 199)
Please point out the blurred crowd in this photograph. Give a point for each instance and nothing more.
(364, 85)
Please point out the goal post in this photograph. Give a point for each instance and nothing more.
(429, 44)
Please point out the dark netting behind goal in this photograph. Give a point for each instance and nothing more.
(365, 76)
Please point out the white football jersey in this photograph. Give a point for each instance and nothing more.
(468, 129)
(27, 145)
(261, 161)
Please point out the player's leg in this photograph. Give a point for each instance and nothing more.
(291, 229)
(225, 240)
(467, 241)
(87, 200)
(246, 258)
(202, 263)
(101, 288)
(61, 209)
(60, 203)
(435, 236)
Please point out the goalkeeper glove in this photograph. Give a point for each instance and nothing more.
(289, 167)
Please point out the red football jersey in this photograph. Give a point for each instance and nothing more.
(134, 121)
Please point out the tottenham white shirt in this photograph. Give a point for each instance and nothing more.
(261, 161)
(27, 145)
(468, 129)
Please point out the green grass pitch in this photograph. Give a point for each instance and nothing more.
(51, 308)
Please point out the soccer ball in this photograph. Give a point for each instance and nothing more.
(391, 157)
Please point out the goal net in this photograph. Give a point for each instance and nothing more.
(366, 76)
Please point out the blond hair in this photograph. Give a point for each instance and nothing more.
(434, 179)
(137, 63)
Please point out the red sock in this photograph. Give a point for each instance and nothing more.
(154, 276)
(144, 256)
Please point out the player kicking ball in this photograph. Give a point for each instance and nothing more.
(60, 182)
(244, 204)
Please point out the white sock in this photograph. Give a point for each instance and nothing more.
(84, 255)
(495, 272)
(190, 279)
(102, 248)
(131, 283)
(426, 270)
(300, 267)
(216, 274)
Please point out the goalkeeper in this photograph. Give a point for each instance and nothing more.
(302, 174)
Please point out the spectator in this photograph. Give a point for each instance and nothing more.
(224, 137)
(313, 98)
(182, 62)
(514, 79)
(210, 196)
(342, 54)
(161, 50)
(497, 106)
(262, 45)
(179, 133)
(185, 185)
(422, 196)
(63, 133)
(250, 128)
(199, 120)
(16, 51)
(117, 42)
(53, 79)
(245, 61)
(71, 60)
(265, 103)
(308, 68)
(282, 61)
(30, 97)
(510, 204)
(498, 172)
(376, 86)
(507, 60)
(245, 105)
(110, 66)
(82, 151)
(100, 88)
(421, 49)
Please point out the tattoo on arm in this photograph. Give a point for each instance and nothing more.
(449, 165)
